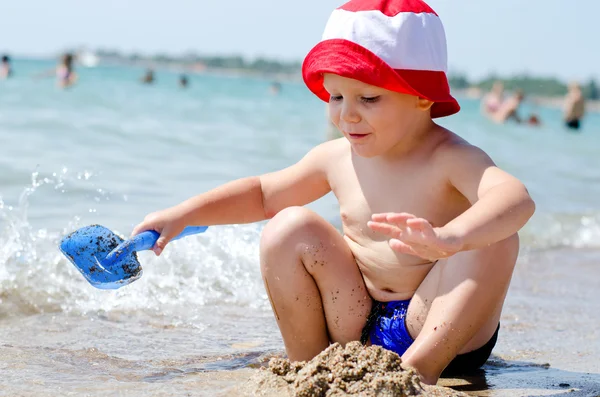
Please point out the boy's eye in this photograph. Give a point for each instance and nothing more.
(335, 98)
(369, 99)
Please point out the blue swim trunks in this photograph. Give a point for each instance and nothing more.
(386, 327)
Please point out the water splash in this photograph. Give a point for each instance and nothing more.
(220, 267)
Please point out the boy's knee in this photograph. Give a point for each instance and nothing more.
(290, 226)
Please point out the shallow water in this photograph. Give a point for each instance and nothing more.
(110, 150)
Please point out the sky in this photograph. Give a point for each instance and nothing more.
(506, 37)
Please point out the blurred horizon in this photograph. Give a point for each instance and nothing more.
(537, 37)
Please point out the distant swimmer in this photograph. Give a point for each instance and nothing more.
(574, 107)
(183, 81)
(148, 77)
(65, 72)
(534, 120)
(5, 67)
(509, 109)
(275, 88)
(493, 100)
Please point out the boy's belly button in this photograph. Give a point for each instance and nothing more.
(388, 284)
(387, 294)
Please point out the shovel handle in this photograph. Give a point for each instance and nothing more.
(146, 240)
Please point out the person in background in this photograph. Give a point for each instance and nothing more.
(148, 77)
(183, 81)
(64, 71)
(493, 100)
(5, 67)
(509, 109)
(275, 88)
(574, 107)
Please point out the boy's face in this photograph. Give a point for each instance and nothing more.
(373, 119)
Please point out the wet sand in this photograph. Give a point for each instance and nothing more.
(548, 346)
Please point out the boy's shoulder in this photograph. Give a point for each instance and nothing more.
(322, 157)
(454, 151)
(332, 149)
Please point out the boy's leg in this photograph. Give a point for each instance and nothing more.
(456, 309)
(315, 287)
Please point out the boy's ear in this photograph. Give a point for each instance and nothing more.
(424, 104)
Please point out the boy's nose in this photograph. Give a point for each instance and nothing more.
(349, 113)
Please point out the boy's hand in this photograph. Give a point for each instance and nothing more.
(415, 236)
(169, 223)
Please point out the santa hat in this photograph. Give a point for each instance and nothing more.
(399, 45)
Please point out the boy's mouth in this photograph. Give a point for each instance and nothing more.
(357, 136)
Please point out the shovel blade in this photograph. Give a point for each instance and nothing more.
(87, 247)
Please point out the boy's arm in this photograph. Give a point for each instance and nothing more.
(300, 184)
(501, 204)
(258, 198)
(247, 200)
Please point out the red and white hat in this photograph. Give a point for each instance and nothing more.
(399, 45)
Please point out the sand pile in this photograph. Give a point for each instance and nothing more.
(351, 371)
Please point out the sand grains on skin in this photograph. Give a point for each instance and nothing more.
(353, 370)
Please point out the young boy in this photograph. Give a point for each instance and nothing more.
(430, 224)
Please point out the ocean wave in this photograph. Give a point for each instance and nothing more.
(220, 266)
(559, 230)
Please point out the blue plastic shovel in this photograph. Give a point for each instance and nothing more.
(105, 259)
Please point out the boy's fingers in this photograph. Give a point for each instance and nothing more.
(423, 227)
(415, 228)
(420, 251)
(138, 229)
(399, 219)
(429, 233)
(162, 241)
(160, 245)
(385, 228)
(401, 215)
(144, 227)
(415, 233)
(166, 236)
(392, 217)
(419, 222)
(402, 247)
(379, 217)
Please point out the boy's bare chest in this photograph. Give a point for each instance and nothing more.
(424, 193)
